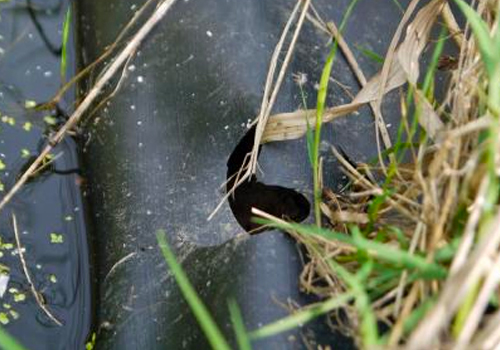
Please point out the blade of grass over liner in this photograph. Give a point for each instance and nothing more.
(432, 67)
(320, 108)
(238, 326)
(7, 342)
(301, 317)
(427, 85)
(205, 320)
(375, 57)
(309, 133)
(401, 146)
(378, 250)
(417, 314)
(399, 6)
(489, 53)
(369, 330)
(65, 39)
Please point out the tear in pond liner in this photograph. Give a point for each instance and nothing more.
(281, 202)
(157, 159)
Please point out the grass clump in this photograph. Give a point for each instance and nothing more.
(415, 242)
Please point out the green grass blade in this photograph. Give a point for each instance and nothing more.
(399, 6)
(309, 133)
(496, 38)
(65, 39)
(310, 144)
(368, 327)
(7, 342)
(239, 326)
(301, 317)
(446, 253)
(397, 256)
(207, 324)
(378, 250)
(494, 92)
(320, 108)
(375, 57)
(482, 35)
(414, 318)
(432, 67)
(464, 310)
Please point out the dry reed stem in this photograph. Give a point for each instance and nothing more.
(268, 99)
(469, 234)
(488, 337)
(471, 324)
(452, 25)
(408, 304)
(267, 105)
(455, 290)
(368, 184)
(37, 295)
(402, 282)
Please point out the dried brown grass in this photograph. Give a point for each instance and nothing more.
(435, 198)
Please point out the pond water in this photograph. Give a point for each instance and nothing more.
(50, 208)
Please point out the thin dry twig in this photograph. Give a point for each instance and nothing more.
(267, 106)
(469, 234)
(117, 264)
(36, 294)
(452, 25)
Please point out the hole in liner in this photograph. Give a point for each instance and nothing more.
(282, 202)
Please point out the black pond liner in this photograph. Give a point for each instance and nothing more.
(157, 159)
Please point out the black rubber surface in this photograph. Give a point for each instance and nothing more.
(157, 158)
